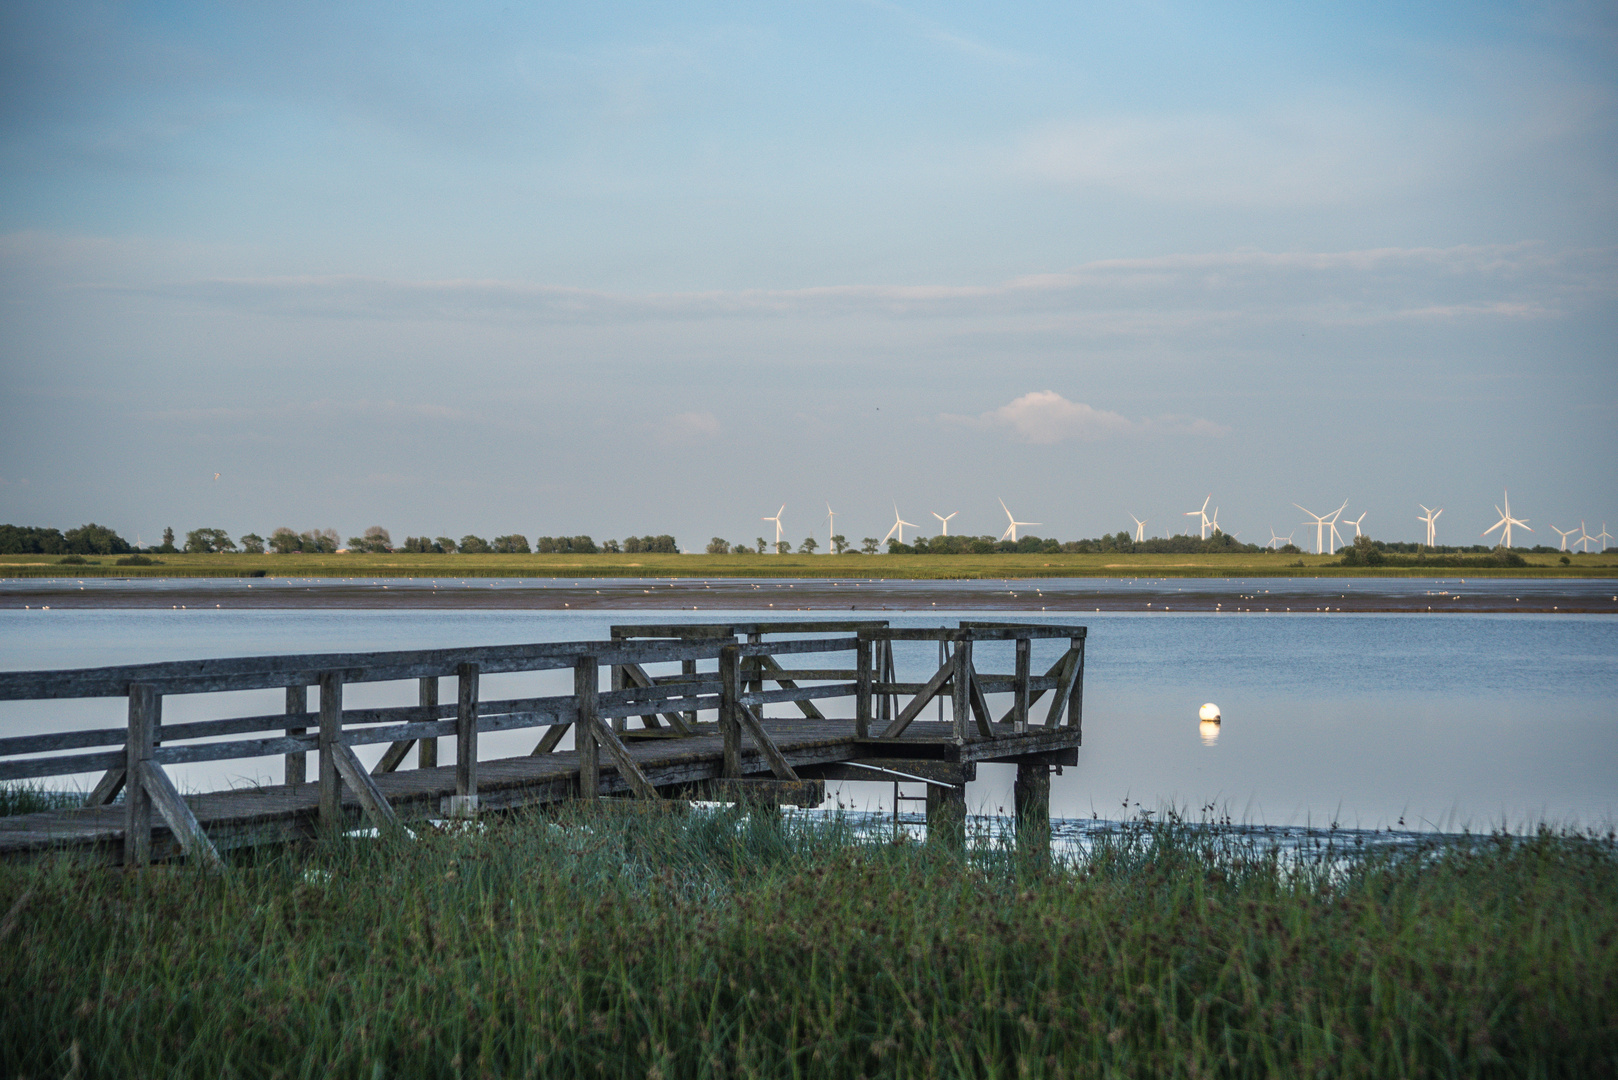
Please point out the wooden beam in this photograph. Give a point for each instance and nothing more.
(1019, 691)
(144, 703)
(862, 691)
(295, 768)
(467, 678)
(621, 757)
(392, 756)
(730, 692)
(961, 689)
(427, 701)
(1054, 673)
(929, 690)
(757, 791)
(980, 704)
(806, 707)
(553, 735)
(1070, 672)
(586, 687)
(331, 734)
(365, 789)
(181, 821)
(635, 675)
(766, 745)
(108, 787)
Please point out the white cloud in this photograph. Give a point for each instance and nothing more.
(1045, 417)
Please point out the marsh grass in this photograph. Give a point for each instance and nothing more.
(625, 943)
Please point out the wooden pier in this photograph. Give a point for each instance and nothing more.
(682, 717)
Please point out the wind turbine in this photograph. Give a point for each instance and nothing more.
(1585, 537)
(899, 524)
(831, 530)
(1356, 523)
(777, 520)
(943, 520)
(1603, 535)
(1432, 520)
(1564, 535)
(1140, 526)
(1279, 542)
(1213, 522)
(1321, 521)
(1507, 521)
(1011, 530)
(1203, 514)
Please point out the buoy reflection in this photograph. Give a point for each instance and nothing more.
(1210, 731)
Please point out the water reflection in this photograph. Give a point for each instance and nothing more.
(1210, 731)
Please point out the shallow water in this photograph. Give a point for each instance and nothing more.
(1367, 720)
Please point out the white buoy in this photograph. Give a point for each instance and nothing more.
(1209, 711)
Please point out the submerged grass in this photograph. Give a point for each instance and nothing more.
(617, 942)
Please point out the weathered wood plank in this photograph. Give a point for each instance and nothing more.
(772, 753)
(551, 739)
(635, 674)
(144, 703)
(427, 703)
(801, 694)
(364, 788)
(64, 765)
(293, 766)
(1059, 700)
(623, 760)
(785, 648)
(730, 676)
(773, 673)
(181, 822)
(331, 733)
(928, 691)
(467, 678)
(586, 687)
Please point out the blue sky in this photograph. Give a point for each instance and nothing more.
(628, 269)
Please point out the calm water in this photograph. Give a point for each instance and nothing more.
(1440, 720)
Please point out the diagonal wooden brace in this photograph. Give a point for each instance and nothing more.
(926, 694)
(181, 821)
(772, 753)
(1064, 688)
(806, 707)
(370, 796)
(1033, 697)
(980, 704)
(609, 740)
(636, 676)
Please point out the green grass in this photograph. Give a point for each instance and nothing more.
(622, 943)
(33, 798)
(786, 566)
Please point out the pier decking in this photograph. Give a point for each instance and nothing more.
(653, 734)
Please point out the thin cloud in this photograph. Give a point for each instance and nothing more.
(1045, 418)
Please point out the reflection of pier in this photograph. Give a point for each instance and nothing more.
(683, 717)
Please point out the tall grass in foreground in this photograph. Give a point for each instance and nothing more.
(622, 943)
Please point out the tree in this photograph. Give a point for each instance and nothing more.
(610, 547)
(762, 546)
(783, 548)
(208, 542)
(869, 545)
(445, 544)
(93, 539)
(511, 545)
(168, 547)
(253, 544)
(718, 546)
(284, 541)
(839, 544)
(318, 541)
(376, 541)
(808, 546)
(474, 545)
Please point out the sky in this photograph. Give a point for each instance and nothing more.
(627, 269)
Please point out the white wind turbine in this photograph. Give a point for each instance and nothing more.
(1585, 537)
(1011, 530)
(1277, 541)
(1321, 521)
(1140, 526)
(831, 530)
(943, 520)
(1564, 535)
(1603, 535)
(1203, 514)
(1431, 520)
(1213, 522)
(1506, 522)
(777, 520)
(899, 524)
(1356, 523)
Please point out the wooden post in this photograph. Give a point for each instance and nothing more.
(1031, 797)
(862, 695)
(946, 816)
(1075, 705)
(755, 670)
(1019, 705)
(331, 733)
(730, 692)
(427, 749)
(297, 765)
(144, 703)
(689, 669)
(586, 691)
(464, 803)
(886, 672)
(961, 689)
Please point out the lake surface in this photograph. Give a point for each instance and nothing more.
(1365, 719)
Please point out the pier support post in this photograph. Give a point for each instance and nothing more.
(1019, 690)
(730, 724)
(961, 687)
(946, 816)
(427, 698)
(862, 693)
(464, 803)
(331, 733)
(586, 692)
(297, 765)
(144, 704)
(1031, 797)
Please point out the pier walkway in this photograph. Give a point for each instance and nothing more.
(681, 718)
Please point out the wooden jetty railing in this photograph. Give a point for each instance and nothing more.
(728, 671)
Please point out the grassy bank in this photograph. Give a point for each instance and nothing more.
(786, 566)
(631, 944)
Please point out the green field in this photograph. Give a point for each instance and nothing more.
(781, 566)
(618, 942)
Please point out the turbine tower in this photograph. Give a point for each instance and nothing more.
(831, 530)
(1278, 542)
(1356, 523)
(943, 520)
(1321, 521)
(899, 524)
(1011, 530)
(1506, 522)
(1140, 527)
(777, 520)
(1203, 514)
(1585, 537)
(1431, 520)
(1603, 535)
(1564, 535)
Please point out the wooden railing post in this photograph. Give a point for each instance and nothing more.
(887, 672)
(297, 765)
(961, 688)
(688, 668)
(427, 698)
(144, 704)
(464, 803)
(331, 733)
(862, 695)
(1019, 704)
(730, 725)
(1075, 704)
(586, 693)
